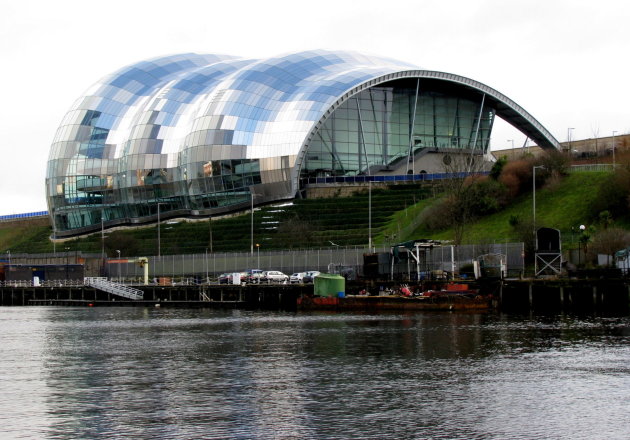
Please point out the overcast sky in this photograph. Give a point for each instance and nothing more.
(565, 61)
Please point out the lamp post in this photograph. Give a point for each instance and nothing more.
(102, 236)
(613, 148)
(569, 137)
(370, 215)
(258, 255)
(158, 225)
(252, 194)
(534, 196)
(9, 254)
(67, 249)
(118, 264)
(207, 277)
(582, 228)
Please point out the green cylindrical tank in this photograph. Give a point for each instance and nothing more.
(330, 285)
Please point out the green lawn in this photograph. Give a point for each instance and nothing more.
(316, 222)
(561, 206)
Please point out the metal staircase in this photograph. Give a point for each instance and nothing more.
(114, 288)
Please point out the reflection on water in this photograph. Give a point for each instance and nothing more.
(164, 373)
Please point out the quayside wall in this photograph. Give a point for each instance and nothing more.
(548, 296)
(512, 296)
(275, 297)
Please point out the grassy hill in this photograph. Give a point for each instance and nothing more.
(396, 216)
(298, 224)
(25, 236)
(562, 205)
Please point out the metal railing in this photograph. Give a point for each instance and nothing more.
(114, 288)
(24, 215)
(47, 283)
(421, 177)
(596, 167)
(197, 269)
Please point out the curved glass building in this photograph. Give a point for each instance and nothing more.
(198, 135)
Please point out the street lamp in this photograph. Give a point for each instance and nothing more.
(102, 236)
(569, 136)
(9, 254)
(258, 255)
(158, 225)
(207, 277)
(613, 148)
(118, 265)
(534, 196)
(67, 249)
(252, 194)
(370, 214)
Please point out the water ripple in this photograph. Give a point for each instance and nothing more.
(172, 373)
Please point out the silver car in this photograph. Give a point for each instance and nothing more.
(274, 276)
(297, 277)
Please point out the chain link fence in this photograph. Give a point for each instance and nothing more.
(350, 261)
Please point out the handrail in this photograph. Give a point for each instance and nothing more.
(422, 177)
(594, 167)
(105, 285)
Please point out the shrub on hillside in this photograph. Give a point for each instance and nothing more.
(613, 194)
(608, 241)
(438, 216)
(479, 196)
(516, 176)
(486, 196)
(555, 163)
(497, 168)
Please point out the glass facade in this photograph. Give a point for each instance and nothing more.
(391, 122)
(192, 134)
(198, 135)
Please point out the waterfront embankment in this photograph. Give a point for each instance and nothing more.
(517, 296)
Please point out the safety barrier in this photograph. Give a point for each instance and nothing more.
(114, 288)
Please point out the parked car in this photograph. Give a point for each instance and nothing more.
(309, 277)
(225, 278)
(228, 278)
(274, 276)
(254, 276)
(297, 277)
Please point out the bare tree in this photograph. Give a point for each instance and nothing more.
(463, 169)
(608, 241)
(595, 132)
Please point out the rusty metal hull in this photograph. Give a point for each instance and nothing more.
(452, 302)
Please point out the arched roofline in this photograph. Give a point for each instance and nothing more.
(506, 109)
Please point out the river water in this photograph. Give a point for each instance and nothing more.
(108, 373)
